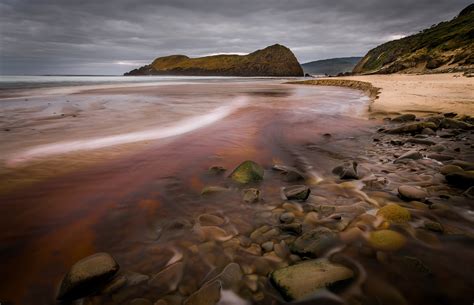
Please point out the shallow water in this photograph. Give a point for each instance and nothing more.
(124, 176)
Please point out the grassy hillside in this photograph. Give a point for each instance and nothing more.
(447, 46)
(276, 60)
(331, 66)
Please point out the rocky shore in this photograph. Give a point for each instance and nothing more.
(394, 219)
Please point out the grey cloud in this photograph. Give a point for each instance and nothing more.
(91, 37)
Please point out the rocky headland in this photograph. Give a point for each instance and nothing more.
(275, 60)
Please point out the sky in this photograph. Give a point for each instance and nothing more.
(111, 37)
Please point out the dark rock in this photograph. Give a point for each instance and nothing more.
(461, 179)
(455, 124)
(450, 114)
(314, 243)
(287, 217)
(404, 118)
(421, 141)
(412, 193)
(297, 192)
(428, 131)
(217, 170)
(247, 172)
(294, 228)
(413, 128)
(347, 170)
(87, 276)
(434, 226)
(396, 142)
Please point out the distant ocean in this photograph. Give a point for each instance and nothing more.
(34, 82)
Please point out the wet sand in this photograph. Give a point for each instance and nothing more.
(142, 202)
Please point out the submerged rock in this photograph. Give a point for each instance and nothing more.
(210, 190)
(412, 193)
(251, 195)
(247, 172)
(411, 155)
(346, 170)
(209, 294)
(412, 128)
(301, 280)
(461, 179)
(314, 243)
(289, 174)
(217, 170)
(87, 276)
(394, 213)
(297, 192)
(168, 279)
(386, 240)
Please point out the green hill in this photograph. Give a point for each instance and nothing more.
(445, 47)
(275, 60)
(332, 66)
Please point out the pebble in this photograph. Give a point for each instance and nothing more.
(267, 246)
(411, 155)
(412, 193)
(297, 192)
(287, 217)
(251, 195)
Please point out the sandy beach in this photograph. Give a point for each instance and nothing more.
(410, 93)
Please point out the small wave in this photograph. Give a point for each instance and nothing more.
(181, 127)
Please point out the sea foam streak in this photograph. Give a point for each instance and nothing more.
(181, 127)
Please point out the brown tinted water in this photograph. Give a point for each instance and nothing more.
(62, 200)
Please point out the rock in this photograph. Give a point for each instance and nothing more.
(404, 118)
(141, 301)
(117, 283)
(267, 246)
(448, 169)
(467, 166)
(314, 243)
(287, 217)
(394, 213)
(87, 276)
(428, 131)
(302, 280)
(450, 114)
(168, 279)
(386, 240)
(230, 276)
(251, 195)
(297, 192)
(413, 128)
(421, 141)
(210, 190)
(293, 228)
(411, 193)
(438, 148)
(210, 220)
(461, 179)
(217, 170)
(455, 124)
(346, 170)
(416, 265)
(209, 294)
(434, 226)
(440, 157)
(289, 174)
(264, 234)
(411, 155)
(247, 172)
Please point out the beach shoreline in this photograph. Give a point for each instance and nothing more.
(409, 93)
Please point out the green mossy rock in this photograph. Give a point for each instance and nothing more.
(314, 243)
(386, 240)
(301, 280)
(394, 213)
(247, 172)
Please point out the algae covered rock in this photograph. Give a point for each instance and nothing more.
(394, 213)
(301, 280)
(87, 275)
(247, 172)
(314, 243)
(386, 240)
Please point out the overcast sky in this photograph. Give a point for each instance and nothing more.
(111, 37)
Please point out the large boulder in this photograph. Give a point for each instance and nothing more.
(304, 279)
(247, 172)
(87, 276)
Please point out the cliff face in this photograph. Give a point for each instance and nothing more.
(445, 47)
(275, 60)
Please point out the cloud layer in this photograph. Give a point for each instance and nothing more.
(111, 37)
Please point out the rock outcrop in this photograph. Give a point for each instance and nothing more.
(275, 60)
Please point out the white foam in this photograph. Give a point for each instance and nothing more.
(160, 132)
